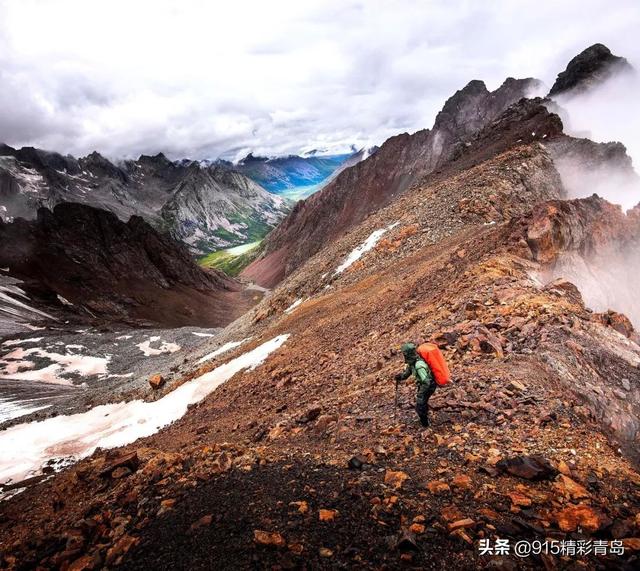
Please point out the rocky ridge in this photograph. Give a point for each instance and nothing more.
(86, 261)
(376, 181)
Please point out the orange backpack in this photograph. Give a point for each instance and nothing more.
(433, 357)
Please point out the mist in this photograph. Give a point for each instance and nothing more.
(607, 113)
(607, 279)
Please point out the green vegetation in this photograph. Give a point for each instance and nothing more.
(232, 260)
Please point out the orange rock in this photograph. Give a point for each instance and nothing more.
(570, 489)
(489, 514)
(303, 507)
(156, 382)
(438, 487)
(327, 515)
(270, 538)
(417, 528)
(296, 548)
(461, 524)
(631, 543)
(462, 535)
(461, 481)
(84, 563)
(395, 479)
(583, 516)
(204, 521)
(451, 513)
(563, 468)
(325, 552)
(120, 548)
(518, 499)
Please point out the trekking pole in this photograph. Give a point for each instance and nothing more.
(395, 403)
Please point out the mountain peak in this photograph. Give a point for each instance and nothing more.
(251, 158)
(590, 67)
(159, 159)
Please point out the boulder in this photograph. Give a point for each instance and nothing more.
(534, 467)
(156, 382)
(129, 460)
(438, 487)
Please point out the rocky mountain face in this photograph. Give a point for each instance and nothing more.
(469, 114)
(376, 181)
(206, 207)
(589, 68)
(85, 258)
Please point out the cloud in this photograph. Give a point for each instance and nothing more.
(607, 113)
(202, 79)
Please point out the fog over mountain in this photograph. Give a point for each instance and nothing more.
(206, 81)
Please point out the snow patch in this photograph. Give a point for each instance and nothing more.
(363, 248)
(67, 364)
(293, 306)
(165, 347)
(13, 409)
(27, 447)
(21, 341)
(223, 349)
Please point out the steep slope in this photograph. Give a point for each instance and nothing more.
(303, 460)
(588, 69)
(374, 182)
(115, 270)
(186, 198)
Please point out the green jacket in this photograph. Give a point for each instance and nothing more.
(420, 370)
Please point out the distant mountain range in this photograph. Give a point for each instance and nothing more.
(207, 207)
(295, 176)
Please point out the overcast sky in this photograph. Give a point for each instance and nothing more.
(200, 79)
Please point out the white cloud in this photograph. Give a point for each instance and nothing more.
(198, 79)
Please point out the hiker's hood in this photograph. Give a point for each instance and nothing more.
(409, 352)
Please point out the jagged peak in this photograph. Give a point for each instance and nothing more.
(95, 156)
(158, 159)
(590, 67)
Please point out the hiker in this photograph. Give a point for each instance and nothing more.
(425, 382)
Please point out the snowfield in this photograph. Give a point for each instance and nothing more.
(27, 447)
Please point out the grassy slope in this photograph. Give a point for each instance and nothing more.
(229, 262)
